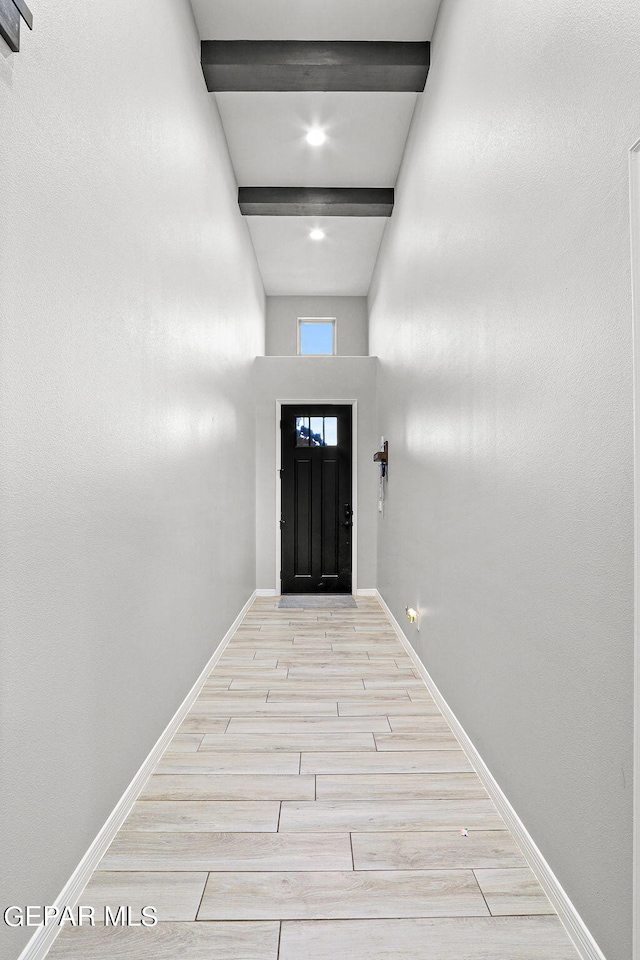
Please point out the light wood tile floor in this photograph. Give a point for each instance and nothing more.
(311, 806)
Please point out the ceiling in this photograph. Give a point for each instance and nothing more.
(315, 19)
(366, 134)
(338, 266)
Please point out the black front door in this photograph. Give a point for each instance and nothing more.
(316, 520)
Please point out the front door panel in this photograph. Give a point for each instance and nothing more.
(316, 518)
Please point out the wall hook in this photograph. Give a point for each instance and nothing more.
(382, 457)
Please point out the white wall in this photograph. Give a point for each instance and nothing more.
(315, 378)
(131, 313)
(352, 323)
(500, 312)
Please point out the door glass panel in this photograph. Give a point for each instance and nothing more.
(331, 431)
(317, 432)
(302, 431)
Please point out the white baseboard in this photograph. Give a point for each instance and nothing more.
(367, 592)
(43, 937)
(266, 592)
(577, 930)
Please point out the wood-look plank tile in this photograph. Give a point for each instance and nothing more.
(292, 643)
(256, 638)
(233, 798)
(226, 762)
(420, 692)
(417, 722)
(229, 851)
(399, 786)
(250, 672)
(377, 666)
(411, 683)
(388, 704)
(353, 616)
(383, 815)
(321, 658)
(434, 740)
(388, 660)
(176, 896)
(301, 654)
(247, 707)
(231, 653)
(434, 850)
(344, 672)
(169, 941)
(265, 619)
(512, 892)
(308, 688)
(349, 762)
(361, 640)
(352, 659)
(358, 641)
(184, 743)
(260, 638)
(216, 683)
(233, 787)
(241, 662)
(293, 725)
(324, 896)
(470, 938)
(284, 651)
(269, 620)
(203, 725)
(257, 690)
(289, 742)
(375, 651)
(302, 643)
(389, 698)
(204, 816)
(373, 637)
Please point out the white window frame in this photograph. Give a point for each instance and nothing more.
(331, 320)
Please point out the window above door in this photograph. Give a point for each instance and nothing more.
(316, 336)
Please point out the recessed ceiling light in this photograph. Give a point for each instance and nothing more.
(316, 137)
(317, 234)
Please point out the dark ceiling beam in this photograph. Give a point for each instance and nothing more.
(10, 13)
(316, 201)
(10, 24)
(243, 65)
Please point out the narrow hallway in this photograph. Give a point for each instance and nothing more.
(316, 791)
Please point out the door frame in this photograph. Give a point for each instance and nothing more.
(634, 190)
(354, 482)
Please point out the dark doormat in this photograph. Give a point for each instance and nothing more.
(311, 601)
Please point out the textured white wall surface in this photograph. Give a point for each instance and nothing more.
(315, 378)
(131, 312)
(501, 316)
(352, 323)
